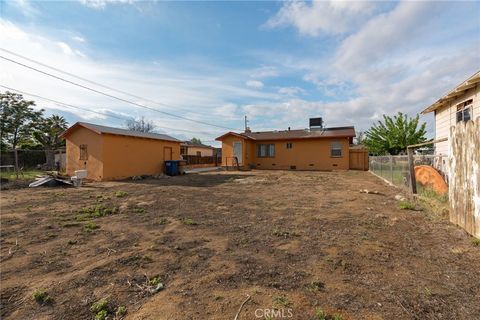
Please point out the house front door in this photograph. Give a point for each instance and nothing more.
(237, 151)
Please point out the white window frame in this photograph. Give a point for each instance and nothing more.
(336, 146)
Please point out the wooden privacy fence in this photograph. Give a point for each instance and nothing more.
(200, 160)
(358, 159)
(464, 171)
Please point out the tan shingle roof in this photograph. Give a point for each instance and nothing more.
(122, 132)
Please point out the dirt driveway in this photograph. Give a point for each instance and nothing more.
(194, 247)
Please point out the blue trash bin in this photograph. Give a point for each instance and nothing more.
(171, 167)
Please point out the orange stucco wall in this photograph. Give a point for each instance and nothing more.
(227, 151)
(125, 157)
(113, 157)
(205, 152)
(94, 162)
(306, 154)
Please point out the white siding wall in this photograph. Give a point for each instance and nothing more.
(446, 117)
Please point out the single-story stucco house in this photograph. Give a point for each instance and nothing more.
(189, 148)
(111, 153)
(462, 103)
(316, 148)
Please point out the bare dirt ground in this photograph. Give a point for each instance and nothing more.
(293, 241)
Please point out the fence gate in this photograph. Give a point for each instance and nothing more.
(358, 159)
(464, 170)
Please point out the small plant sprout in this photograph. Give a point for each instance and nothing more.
(189, 221)
(320, 314)
(91, 226)
(99, 305)
(405, 205)
(120, 194)
(476, 242)
(100, 308)
(154, 281)
(41, 297)
(337, 317)
(121, 311)
(281, 301)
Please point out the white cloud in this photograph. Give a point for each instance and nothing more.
(327, 17)
(25, 7)
(101, 4)
(79, 39)
(265, 72)
(290, 91)
(254, 84)
(228, 112)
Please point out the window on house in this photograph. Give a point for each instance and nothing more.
(464, 111)
(83, 152)
(336, 149)
(289, 145)
(265, 150)
(199, 153)
(183, 151)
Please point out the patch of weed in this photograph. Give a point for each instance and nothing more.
(91, 226)
(120, 194)
(138, 210)
(96, 211)
(154, 281)
(405, 205)
(281, 301)
(41, 296)
(476, 242)
(285, 233)
(189, 221)
(98, 306)
(121, 311)
(428, 292)
(337, 317)
(101, 315)
(72, 242)
(320, 314)
(317, 286)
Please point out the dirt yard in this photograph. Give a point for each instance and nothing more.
(194, 247)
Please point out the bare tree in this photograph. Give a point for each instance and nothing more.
(140, 124)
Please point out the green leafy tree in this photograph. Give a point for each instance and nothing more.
(196, 140)
(393, 135)
(48, 135)
(18, 120)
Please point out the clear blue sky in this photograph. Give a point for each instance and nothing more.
(277, 62)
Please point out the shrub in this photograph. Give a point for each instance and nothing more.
(120, 194)
(99, 305)
(41, 296)
(405, 205)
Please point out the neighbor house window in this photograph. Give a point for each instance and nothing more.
(289, 145)
(464, 111)
(199, 153)
(336, 149)
(83, 152)
(265, 150)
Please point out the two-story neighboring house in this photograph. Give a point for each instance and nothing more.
(462, 103)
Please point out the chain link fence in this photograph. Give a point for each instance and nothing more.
(395, 169)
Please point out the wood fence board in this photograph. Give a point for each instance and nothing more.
(464, 168)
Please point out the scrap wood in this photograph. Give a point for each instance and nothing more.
(241, 307)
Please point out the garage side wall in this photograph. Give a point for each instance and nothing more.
(92, 146)
(305, 154)
(129, 156)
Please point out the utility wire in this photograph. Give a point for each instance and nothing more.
(91, 81)
(93, 111)
(110, 95)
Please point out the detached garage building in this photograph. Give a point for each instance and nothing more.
(111, 153)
